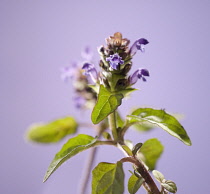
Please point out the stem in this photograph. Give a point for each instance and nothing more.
(106, 143)
(88, 166)
(87, 125)
(113, 126)
(146, 188)
(125, 128)
(144, 173)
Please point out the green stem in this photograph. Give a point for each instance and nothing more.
(125, 128)
(105, 143)
(113, 126)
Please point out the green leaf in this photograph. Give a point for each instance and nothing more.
(95, 88)
(119, 120)
(106, 135)
(108, 178)
(127, 91)
(134, 183)
(162, 119)
(126, 149)
(52, 132)
(158, 176)
(151, 150)
(106, 104)
(136, 148)
(144, 126)
(71, 148)
(170, 186)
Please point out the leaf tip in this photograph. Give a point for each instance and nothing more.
(47, 175)
(45, 178)
(189, 143)
(94, 120)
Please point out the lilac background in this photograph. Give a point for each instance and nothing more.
(39, 37)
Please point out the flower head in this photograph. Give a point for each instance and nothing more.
(115, 61)
(138, 45)
(138, 74)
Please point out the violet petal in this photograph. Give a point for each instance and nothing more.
(138, 45)
(115, 61)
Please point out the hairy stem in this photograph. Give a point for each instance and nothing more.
(144, 173)
(113, 126)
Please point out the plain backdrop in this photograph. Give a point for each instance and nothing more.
(38, 37)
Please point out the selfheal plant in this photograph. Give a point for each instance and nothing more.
(109, 86)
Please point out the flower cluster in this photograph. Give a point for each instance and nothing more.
(116, 62)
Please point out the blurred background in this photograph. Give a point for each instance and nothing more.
(37, 38)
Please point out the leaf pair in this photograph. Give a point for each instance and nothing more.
(109, 178)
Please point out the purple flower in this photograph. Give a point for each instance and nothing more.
(138, 45)
(90, 70)
(115, 61)
(69, 72)
(87, 54)
(138, 74)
